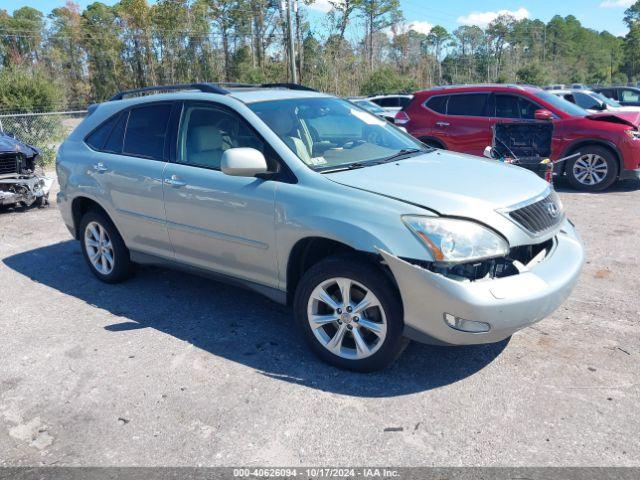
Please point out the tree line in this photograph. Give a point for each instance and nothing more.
(70, 57)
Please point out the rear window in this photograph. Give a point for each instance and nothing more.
(146, 131)
(438, 104)
(116, 137)
(468, 104)
(98, 137)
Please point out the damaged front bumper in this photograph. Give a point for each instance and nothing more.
(25, 190)
(502, 305)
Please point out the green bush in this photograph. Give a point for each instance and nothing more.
(386, 80)
(25, 92)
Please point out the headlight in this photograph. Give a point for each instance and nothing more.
(456, 241)
(634, 134)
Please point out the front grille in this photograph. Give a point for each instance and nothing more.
(8, 163)
(541, 216)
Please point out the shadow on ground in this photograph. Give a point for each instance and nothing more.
(239, 325)
(562, 185)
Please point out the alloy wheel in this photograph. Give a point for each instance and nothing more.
(590, 169)
(347, 318)
(99, 248)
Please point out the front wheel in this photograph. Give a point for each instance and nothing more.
(595, 169)
(350, 313)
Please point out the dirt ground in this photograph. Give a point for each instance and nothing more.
(173, 369)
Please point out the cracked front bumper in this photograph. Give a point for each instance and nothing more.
(507, 304)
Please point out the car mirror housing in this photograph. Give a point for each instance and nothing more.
(543, 114)
(243, 162)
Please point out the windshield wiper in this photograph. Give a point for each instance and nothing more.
(401, 153)
(349, 166)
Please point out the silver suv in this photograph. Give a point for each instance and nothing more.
(371, 236)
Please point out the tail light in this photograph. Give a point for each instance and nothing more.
(548, 174)
(401, 118)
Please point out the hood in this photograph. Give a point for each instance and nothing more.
(631, 118)
(448, 183)
(9, 144)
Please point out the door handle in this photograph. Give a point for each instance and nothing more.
(174, 181)
(443, 124)
(99, 167)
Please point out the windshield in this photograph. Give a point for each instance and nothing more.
(326, 133)
(607, 100)
(562, 104)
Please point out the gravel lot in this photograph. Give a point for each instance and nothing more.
(173, 369)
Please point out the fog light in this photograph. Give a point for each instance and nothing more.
(466, 325)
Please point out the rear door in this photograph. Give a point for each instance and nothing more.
(609, 92)
(127, 164)
(466, 127)
(215, 221)
(629, 96)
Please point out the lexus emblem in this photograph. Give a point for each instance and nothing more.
(552, 209)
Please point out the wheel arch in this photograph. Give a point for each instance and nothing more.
(433, 141)
(309, 251)
(81, 205)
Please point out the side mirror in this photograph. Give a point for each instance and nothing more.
(543, 115)
(243, 162)
(488, 152)
(601, 106)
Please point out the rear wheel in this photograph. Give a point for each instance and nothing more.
(432, 143)
(103, 248)
(350, 313)
(595, 169)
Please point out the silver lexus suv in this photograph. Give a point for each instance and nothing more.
(371, 236)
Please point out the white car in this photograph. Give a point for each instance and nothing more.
(392, 103)
(592, 101)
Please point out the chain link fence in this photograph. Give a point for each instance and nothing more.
(43, 130)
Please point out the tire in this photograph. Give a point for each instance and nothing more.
(354, 327)
(596, 164)
(120, 267)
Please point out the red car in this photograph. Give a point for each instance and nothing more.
(460, 118)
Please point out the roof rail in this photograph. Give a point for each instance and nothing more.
(203, 87)
(290, 86)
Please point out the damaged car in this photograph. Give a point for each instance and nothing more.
(19, 182)
(371, 236)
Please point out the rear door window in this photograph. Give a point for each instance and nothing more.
(471, 104)
(387, 102)
(627, 95)
(404, 101)
(146, 131)
(608, 92)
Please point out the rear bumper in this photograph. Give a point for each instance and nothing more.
(64, 207)
(507, 304)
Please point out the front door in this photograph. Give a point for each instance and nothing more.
(216, 221)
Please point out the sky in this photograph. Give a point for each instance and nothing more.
(596, 14)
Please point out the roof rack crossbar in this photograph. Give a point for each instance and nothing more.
(203, 87)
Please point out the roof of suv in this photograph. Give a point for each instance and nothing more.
(484, 87)
(244, 93)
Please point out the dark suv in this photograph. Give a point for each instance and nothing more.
(460, 118)
(627, 96)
